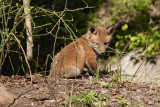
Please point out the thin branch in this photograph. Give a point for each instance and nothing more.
(49, 85)
(124, 49)
(71, 96)
(24, 56)
(42, 25)
(138, 69)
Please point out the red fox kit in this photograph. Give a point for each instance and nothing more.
(70, 61)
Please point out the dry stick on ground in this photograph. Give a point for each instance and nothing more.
(24, 56)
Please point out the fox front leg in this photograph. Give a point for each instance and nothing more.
(91, 63)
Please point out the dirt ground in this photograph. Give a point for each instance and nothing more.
(44, 92)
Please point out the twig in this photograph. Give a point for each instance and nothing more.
(25, 57)
(54, 48)
(124, 49)
(67, 10)
(42, 25)
(71, 96)
(5, 6)
(138, 69)
(155, 28)
(52, 91)
(17, 14)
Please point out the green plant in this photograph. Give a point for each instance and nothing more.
(122, 102)
(149, 41)
(106, 85)
(143, 34)
(10, 20)
(90, 98)
(127, 8)
(97, 75)
(84, 98)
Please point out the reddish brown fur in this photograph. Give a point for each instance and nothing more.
(70, 61)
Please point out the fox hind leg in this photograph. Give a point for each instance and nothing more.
(71, 72)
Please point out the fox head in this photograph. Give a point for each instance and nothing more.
(99, 37)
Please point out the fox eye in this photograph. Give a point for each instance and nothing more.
(106, 43)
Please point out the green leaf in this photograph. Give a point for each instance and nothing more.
(113, 60)
(17, 4)
(103, 97)
(122, 102)
(150, 48)
(119, 36)
(28, 9)
(124, 27)
(150, 21)
(31, 7)
(153, 52)
(133, 38)
(131, 46)
(117, 44)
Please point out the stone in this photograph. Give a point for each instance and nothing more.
(6, 98)
(133, 63)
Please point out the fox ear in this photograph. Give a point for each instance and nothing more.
(92, 30)
(110, 30)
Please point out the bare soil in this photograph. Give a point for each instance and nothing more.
(45, 93)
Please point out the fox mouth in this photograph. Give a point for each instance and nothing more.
(98, 51)
(95, 49)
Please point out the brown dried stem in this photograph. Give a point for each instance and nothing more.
(24, 56)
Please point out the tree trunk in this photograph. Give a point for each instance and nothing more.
(28, 29)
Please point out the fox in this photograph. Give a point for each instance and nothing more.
(81, 53)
